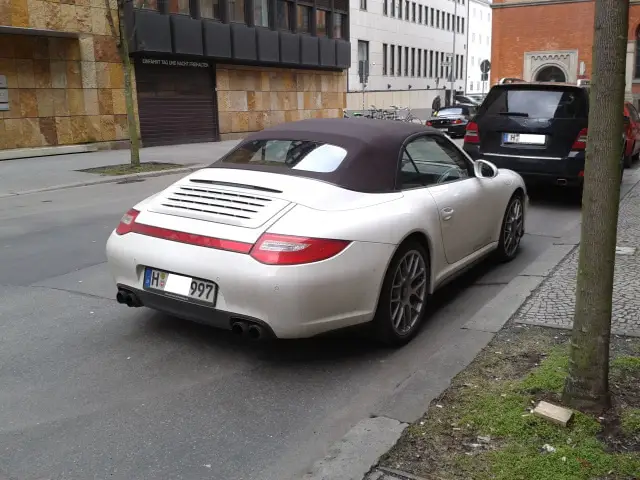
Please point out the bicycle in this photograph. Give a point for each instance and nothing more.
(409, 117)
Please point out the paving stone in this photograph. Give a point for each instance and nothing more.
(553, 303)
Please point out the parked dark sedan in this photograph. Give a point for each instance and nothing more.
(452, 120)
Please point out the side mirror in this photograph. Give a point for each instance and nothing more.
(627, 120)
(485, 169)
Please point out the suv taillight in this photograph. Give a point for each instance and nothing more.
(471, 134)
(581, 141)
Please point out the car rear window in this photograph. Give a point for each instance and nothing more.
(295, 154)
(537, 103)
(450, 111)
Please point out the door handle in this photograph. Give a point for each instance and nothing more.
(447, 213)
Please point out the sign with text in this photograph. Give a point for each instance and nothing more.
(174, 63)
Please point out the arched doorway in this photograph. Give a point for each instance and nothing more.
(551, 74)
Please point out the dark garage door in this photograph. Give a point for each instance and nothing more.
(176, 104)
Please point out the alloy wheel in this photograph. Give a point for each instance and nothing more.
(408, 292)
(513, 226)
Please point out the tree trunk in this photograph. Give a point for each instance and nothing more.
(132, 121)
(587, 386)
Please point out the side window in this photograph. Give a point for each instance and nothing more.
(431, 160)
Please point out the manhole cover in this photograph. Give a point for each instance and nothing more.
(625, 250)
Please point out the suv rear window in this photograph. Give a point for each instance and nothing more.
(530, 102)
(295, 154)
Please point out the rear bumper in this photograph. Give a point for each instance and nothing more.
(564, 172)
(452, 130)
(290, 301)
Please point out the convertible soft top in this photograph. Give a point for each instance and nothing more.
(373, 148)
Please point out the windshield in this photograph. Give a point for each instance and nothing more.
(295, 154)
(537, 103)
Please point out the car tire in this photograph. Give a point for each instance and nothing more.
(394, 296)
(511, 229)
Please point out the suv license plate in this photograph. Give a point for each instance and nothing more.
(524, 138)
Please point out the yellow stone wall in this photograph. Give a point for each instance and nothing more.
(253, 98)
(61, 90)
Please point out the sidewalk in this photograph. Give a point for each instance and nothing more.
(45, 172)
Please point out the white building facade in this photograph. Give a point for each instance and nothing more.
(479, 44)
(407, 47)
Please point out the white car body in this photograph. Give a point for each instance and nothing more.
(460, 222)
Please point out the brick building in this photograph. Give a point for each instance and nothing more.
(204, 69)
(553, 40)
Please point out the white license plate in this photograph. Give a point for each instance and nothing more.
(179, 285)
(524, 138)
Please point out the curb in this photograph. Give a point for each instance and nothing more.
(110, 179)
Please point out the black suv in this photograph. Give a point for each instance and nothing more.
(536, 129)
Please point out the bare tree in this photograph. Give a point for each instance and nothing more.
(587, 386)
(118, 31)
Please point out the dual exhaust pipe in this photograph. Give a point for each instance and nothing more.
(127, 298)
(252, 331)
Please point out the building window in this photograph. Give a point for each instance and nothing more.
(406, 10)
(457, 24)
(413, 12)
(283, 14)
(322, 26)
(399, 61)
(180, 7)
(406, 61)
(392, 54)
(473, 37)
(442, 62)
(442, 20)
(637, 69)
(433, 12)
(363, 4)
(385, 7)
(303, 19)
(449, 21)
(424, 65)
(463, 25)
(261, 13)
(461, 67)
(399, 9)
(339, 26)
(393, 8)
(384, 59)
(146, 4)
(430, 63)
(363, 61)
(413, 62)
(236, 11)
(437, 18)
(210, 9)
(419, 69)
(436, 65)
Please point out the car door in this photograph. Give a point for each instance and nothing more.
(465, 221)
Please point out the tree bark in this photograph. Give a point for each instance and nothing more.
(132, 121)
(587, 386)
(122, 42)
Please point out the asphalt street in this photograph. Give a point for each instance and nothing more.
(92, 389)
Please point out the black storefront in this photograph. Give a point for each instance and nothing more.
(176, 45)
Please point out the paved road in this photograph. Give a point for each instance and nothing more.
(91, 389)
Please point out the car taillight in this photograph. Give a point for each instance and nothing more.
(471, 134)
(429, 124)
(127, 222)
(581, 141)
(274, 249)
(457, 121)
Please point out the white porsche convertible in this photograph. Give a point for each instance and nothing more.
(317, 225)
